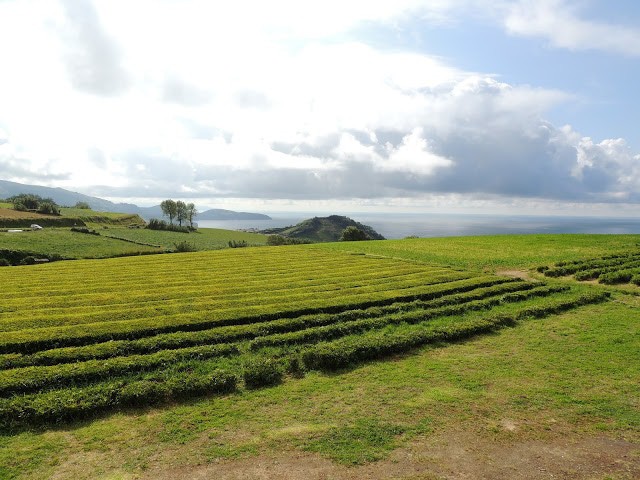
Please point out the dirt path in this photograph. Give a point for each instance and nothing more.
(456, 456)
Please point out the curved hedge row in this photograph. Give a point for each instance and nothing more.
(234, 333)
(344, 352)
(72, 404)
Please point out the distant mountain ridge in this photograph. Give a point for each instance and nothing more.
(323, 229)
(69, 198)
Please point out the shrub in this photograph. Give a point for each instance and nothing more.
(155, 224)
(277, 240)
(83, 206)
(621, 276)
(353, 234)
(184, 246)
(4, 262)
(28, 261)
(237, 243)
(49, 208)
(262, 372)
(84, 230)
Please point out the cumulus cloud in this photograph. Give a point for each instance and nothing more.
(217, 113)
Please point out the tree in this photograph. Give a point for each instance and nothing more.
(169, 209)
(83, 206)
(353, 234)
(30, 202)
(26, 201)
(191, 213)
(181, 211)
(49, 207)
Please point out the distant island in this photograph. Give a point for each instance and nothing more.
(322, 229)
(67, 197)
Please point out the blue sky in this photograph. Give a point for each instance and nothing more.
(606, 103)
(508, 106)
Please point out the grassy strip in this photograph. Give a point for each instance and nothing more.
(337, 330)
(73, 404)
(31, 341)
(243, 332)
(29, 379)
(349, 350)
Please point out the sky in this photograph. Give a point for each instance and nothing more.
(519, 107)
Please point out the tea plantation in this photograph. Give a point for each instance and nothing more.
(83, 337)
(125, 358)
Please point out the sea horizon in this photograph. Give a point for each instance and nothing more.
(402, 225)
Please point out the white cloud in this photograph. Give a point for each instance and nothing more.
(211, 100)
(559, 22)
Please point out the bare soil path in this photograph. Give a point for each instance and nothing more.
(455, 456)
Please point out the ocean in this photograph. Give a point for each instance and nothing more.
(448, 225)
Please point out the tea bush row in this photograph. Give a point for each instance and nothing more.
(561, 271)
(33, 340)
(337, 330)
(242, 332)
(619, 276)
(72, 404)
(29, 379)
(346, 351)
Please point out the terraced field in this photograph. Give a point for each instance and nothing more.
(83, 337)
(608, 270)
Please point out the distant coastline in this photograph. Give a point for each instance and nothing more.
(394, 226)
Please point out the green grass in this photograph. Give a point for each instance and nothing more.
(495, 252)
(61, 241)
(94, 219)
(202, 239)
(568, 375)
(68, 244)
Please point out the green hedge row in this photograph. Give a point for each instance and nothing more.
(342, 329)
(262, 372)
(346, 351)
(243, 332)
(535, 292)
(595, 273)
(619, 276)
(34, 340)
(605, 257)
(72, 404)
(570, 269)
(29, 379)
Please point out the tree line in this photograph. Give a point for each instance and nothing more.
(178, 211)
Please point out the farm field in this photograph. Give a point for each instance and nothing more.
(202, 239)
(497, 252)
(110, 243)
(105, 375)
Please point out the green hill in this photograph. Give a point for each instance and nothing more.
(323, 229)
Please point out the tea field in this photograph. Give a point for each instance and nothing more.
(348, 350)
(85, 337)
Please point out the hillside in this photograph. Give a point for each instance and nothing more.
(67, 197)
(323, 229)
